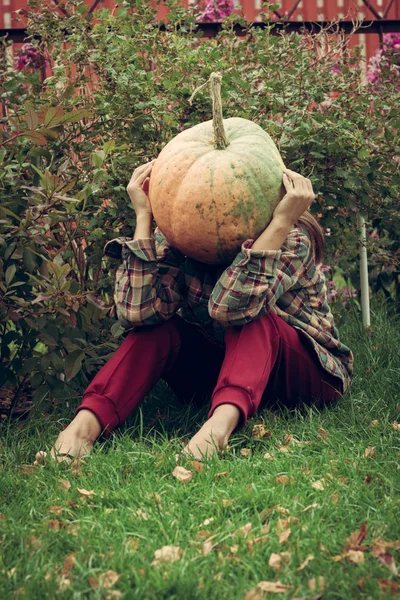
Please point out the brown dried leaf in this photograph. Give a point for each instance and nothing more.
(113, 594)
(227, 502)
(387, 585)
(318, 485)
(208, 521)
(268, 456)
(63, 583)
(207, 547)
(86, 493)
(273, 586)
(396, 426)
(28, 469)
(55, 525)
(132, 544)
(322, 432)
(141, 514)
(259, 431)
(166, 554)
(2, 517)
(64, 484)
(356, 538)
(373, 423)
(182, 474)
(284, 536)
(108, 578)
(283, 480)
(335, 498)
(73, 528)
(69, 562)
(276, 560)
(246, 452)
(56, 510)
(388, 561)
(379, 546)
(245, 530)
(356, 556)
(283, 449)
(303, 565)
(310, 506)
(197, 466)
(369, 451)
(316, 582)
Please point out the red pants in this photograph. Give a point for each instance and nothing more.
(266, 358)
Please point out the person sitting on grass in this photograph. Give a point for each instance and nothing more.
(245, 335)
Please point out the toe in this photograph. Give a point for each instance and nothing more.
(40, 457)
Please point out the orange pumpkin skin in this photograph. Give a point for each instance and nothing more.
(207, 202)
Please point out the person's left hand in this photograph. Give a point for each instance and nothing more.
(298, 198)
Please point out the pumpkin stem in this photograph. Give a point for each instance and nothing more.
(220, 140)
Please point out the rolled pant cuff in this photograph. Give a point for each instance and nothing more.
(104, 410)
(238, 397)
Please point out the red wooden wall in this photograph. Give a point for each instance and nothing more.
(306, 10)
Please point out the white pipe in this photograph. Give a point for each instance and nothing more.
(366, 315)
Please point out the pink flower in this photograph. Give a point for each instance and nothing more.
(374, 235)
(29, 57)
(335, 69)
(216, 10)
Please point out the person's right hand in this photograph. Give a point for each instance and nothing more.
(138, 188)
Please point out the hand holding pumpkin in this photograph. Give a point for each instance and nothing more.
(138, 187)
(298, 198)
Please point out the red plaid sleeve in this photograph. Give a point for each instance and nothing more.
(148, 287)
(257, 279)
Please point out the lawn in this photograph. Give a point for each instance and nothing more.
(312, 507)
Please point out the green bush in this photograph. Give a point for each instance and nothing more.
(120, 90)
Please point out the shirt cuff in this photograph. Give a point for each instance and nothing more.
(145, 249)
(263, 262)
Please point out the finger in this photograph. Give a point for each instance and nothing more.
(143, 176)
(309, 186)
(288, 183)
(292, 174)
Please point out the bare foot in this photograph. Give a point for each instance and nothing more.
(215, 433)
(76, 441)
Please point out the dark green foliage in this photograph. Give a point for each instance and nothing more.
(120, 90)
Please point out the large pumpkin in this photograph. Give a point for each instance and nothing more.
(210, 193)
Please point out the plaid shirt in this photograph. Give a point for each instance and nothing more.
(155, 281)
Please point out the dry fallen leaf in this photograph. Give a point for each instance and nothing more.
(69, 562)
(356, 538)
(388, 561)
(113, 594)
(335, 498)
(396, 426)
(141, 514)
(273, 586)
(108, 578)
(227, 502)
(322, 432)
(387, 585)
(197, 466)
(310, 506)
(356, 556)
(207, 547)
(56, 510)
(303, 565)
(63, 583)
(208, 521)
(267, 456)
(182, 474)
(276, 559)
(260, 431)
(86, 493)
(283, 480)
(64, 484)
(373, 423)
(132, 544)
(246, 452)
(245, 530)
(166, 554)
(283, 449)
(369, 451)
(284, 536)
(318, 485)
(316, 582)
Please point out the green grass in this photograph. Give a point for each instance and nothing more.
(132, 470)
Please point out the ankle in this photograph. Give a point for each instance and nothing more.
(229, 415)
(86, 425)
